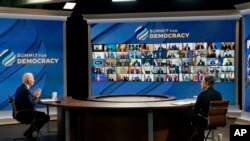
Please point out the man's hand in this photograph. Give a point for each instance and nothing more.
(37, 92)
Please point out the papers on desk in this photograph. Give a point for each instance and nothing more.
(183, 102)
(47, 100)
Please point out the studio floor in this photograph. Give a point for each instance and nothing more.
(16, 130)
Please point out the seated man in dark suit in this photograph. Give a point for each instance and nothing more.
(201, 63)
(25, 100)
(160, 48)
(187, 47)
(228, 55)
(202, 104)
(171, 55)
(160, 71)
(229, 63)
(212, 62)
(136, 63)
(148, 79)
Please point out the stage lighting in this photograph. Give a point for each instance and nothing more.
(69, 5)
(123, 0)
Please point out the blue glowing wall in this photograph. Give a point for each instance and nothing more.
(247, 62)
(30, 46)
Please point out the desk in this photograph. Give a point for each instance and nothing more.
(108, 121)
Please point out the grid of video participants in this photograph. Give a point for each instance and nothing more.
(163, 62)
(248, 62)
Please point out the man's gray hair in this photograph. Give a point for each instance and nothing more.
(27, 76)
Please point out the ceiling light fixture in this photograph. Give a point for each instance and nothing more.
(69, 5)
(123, 0)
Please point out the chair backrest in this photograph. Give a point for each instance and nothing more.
(12, 103)
(217, 114)
(23, 116)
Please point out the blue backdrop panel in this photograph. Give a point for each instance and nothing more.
(162, 32)
(199, 31)
(30, 46)
(247, 62)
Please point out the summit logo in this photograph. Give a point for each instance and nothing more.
(141, 33)
(7, 58)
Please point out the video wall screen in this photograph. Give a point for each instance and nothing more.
(248, 62)
(163, 62)
(163, 58)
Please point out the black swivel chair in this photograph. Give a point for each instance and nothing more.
(22, 117)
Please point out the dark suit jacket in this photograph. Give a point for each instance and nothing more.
(228, 55)
(201, 63)
(203, 101)
(24, 98)
(229, 63)
(187, 48)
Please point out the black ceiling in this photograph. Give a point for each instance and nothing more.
(106, 6)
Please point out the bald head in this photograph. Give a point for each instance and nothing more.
(28, 79)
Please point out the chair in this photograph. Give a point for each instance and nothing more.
(22, 113)
(217, 116)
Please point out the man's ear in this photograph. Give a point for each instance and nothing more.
(27, 81)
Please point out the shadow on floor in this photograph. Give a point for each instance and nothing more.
(16, 131)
